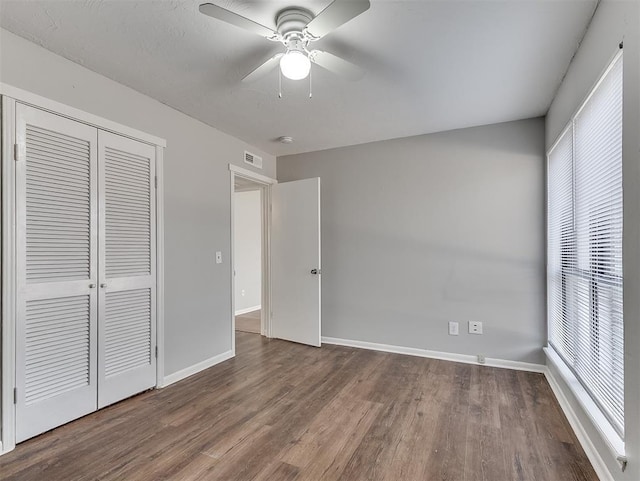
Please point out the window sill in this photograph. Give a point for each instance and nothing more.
(608, 434)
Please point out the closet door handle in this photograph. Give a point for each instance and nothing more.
(103, 286)
(92, 286)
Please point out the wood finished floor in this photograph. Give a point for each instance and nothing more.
(249, 322)
(283, 412)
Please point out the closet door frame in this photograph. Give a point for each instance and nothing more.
(11, 153)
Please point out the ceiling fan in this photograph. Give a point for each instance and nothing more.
(296, 29)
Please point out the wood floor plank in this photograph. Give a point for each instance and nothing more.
(332, 436)
(415, 424)
(278, 471)
(448, 458)
(372, 456)
(525, 458)
(485, 456)
(249, 322)
(281, 411)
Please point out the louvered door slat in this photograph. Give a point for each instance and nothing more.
(62, 206)
(121, 353)
(127, 237)
(45, 157)
(124, 333)
(39, 181)
(127, 177)
(126, 362)
(56, 213)
(127, 341)
(44, 176)
(56, 137)
(50, 233)
(40, 321)
(60, 153)
(61, 196)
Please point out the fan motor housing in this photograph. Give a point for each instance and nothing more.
(292, 20)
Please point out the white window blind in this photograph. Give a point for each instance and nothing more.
(585, 246)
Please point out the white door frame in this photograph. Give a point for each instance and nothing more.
(11, 95)
(8, 408)
(265, 184)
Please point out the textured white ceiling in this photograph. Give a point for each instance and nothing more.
(431, 65)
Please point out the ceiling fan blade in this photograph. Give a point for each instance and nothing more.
(263, 69)
(337, 13)
(336, 65)
(238, 20)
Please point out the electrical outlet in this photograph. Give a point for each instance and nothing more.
(242, 293)
(453, 328)
(475, 327)
(218, 257)
(481, 359)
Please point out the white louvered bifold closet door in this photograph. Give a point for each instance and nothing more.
(56, 253)
(126, 332)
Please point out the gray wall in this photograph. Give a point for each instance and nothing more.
(614, 21)
(247, 251)
(423, 230)
(197, 192)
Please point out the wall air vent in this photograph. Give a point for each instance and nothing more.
(253, 159)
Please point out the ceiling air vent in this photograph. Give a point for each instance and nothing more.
(253, 159)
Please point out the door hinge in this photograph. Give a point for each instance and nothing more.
(15, 395)
(156, 352)
(155, 181)
(19, 152)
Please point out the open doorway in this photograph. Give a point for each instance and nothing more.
(289, 259)
(247, 248)
(250, 252)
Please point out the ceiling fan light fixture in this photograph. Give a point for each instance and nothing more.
(295, 65)
(296, 29)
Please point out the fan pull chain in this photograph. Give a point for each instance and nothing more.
(279, 83)
(310, 84)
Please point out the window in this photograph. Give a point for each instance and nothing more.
(584, 246)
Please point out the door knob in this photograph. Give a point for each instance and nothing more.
(315, 272)
(103, 285)
(92, 286)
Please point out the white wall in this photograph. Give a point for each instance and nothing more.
(614, 21)
(197, 192)
(247, 250)
(423, 230)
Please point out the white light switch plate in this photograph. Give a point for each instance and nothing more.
(453, 328)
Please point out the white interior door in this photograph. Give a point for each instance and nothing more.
(127, 293)
(56, 207)
(295, 261)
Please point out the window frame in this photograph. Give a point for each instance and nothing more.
(600, 416)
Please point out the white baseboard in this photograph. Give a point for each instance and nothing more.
(248, 309)
(590, 450)
(196, 368)
(445, 356)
